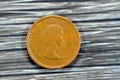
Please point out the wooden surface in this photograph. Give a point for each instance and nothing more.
(98, 21)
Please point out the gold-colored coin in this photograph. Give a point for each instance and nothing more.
(53, 42)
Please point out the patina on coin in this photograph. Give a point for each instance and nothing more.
(53, 42)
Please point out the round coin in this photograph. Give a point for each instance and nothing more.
(53, 42)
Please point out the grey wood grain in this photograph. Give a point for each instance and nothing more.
(97, 21)
(83, 73)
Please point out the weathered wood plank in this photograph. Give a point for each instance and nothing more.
(84, 59)
(97, 21)
(79, 73)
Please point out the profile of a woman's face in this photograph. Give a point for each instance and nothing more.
(53, 35)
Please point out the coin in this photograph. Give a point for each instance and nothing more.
(53, 42)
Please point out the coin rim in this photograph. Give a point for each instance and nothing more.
(38, 62)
